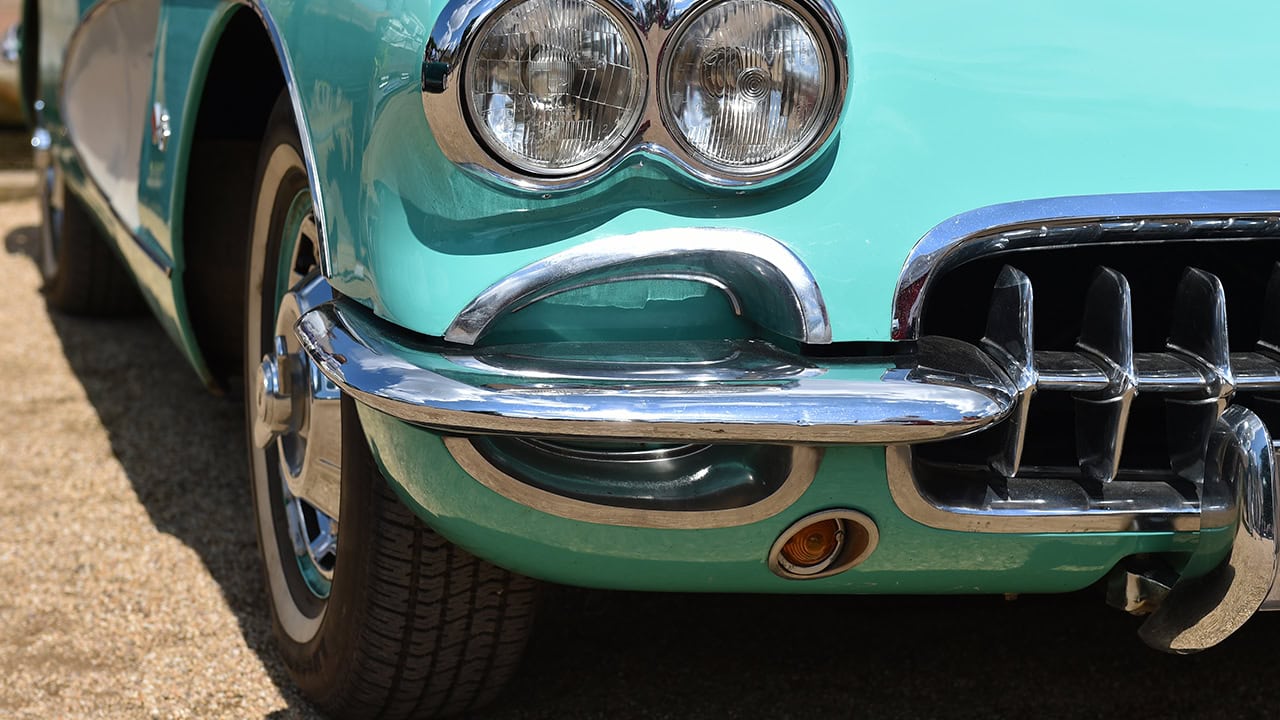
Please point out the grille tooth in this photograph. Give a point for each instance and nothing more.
(1008, 340)
(1198, 334)
(1269, 337)
(1106, 338)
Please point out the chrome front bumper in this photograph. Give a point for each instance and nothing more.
(939, 388)
(725, 392)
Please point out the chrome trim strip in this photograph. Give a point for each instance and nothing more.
(1079, 220)
(1158, 372)
(654, 25)
(804, 467)
(786, 297)
(947, 389)
(1241, 489)
(259, 8)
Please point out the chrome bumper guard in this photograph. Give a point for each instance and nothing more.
(717, 391)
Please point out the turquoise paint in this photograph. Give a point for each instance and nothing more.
(940, 122)
(187, 36)
(954, 107)
(911, 558)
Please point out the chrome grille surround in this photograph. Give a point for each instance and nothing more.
(1194, 377)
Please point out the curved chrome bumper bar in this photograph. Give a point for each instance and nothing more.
(730, 391)
(1240, 486)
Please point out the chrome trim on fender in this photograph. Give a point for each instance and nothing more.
(804, 466)
(259, 8)
(947, 388)
(653, 24)
(1067, 221)
(762, 276)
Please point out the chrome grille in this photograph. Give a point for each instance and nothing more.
(1104, 425)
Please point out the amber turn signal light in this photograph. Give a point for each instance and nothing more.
(814, 544)
(823, 544)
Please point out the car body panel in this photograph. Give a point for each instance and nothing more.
(940, 122)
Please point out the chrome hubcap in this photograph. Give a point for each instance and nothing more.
(51, 202)
(297, 418)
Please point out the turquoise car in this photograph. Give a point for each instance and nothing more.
(761, 296)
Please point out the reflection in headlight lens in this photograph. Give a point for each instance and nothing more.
(555, 85)
(746, 85)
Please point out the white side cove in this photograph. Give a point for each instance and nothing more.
(106, 87)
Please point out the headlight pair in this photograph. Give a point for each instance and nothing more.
(557, 91)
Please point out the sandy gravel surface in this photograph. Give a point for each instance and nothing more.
(129, 585)
(126, 593)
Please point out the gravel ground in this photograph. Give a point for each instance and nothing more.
(126, 595)
(131, 589)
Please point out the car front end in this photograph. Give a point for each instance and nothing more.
(788, 297)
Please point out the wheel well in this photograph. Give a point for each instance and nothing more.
(240, 88)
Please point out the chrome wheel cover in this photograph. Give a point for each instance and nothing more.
(294, 412)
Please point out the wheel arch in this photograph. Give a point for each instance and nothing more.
(242, 79)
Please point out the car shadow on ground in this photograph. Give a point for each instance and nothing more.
(635, 655)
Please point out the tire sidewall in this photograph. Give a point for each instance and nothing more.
(315, 637)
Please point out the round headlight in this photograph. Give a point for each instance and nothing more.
(555, 86)
(749, 86)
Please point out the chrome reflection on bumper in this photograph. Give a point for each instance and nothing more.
(1240, 471)
(729, 391)
(763, 278)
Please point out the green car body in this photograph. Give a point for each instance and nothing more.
(951, 110)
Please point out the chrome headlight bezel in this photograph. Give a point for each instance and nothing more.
(655, 27)
(825, 116)
(638, 87)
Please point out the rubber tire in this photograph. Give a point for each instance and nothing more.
(414, 626)
(89, 278)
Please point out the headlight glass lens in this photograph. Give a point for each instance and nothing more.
(555, 86)
(747, 85)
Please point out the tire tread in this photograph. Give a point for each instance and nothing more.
(91, 280)
(444, 630)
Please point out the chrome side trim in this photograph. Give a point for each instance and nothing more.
(654, 25)
(260, 9)
(804, 466)
(947, 389)
(1240, 485)
(770, 284)
(1067, 221)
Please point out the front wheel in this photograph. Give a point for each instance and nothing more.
(386, 617)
